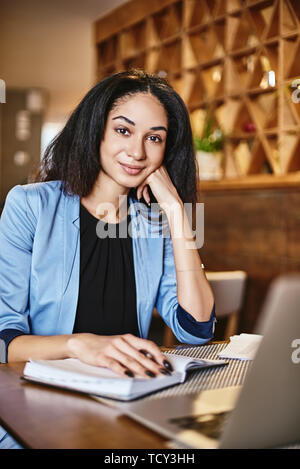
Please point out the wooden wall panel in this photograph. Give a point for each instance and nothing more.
(125, 16)
(292, 216)
(257, 231)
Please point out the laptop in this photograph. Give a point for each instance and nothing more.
(262, 413)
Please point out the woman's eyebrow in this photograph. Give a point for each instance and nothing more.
(160, 127)
(125, 119)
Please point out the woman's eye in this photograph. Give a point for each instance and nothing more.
(126, 132)
(155, 138)
(122, 131)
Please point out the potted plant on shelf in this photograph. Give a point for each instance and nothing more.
(209, 153)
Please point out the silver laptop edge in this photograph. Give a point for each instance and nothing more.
(266, 412)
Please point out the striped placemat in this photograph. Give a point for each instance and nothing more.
(232, 374)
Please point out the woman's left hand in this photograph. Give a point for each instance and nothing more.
(161, 186)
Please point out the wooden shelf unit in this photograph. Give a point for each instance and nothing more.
(237, 60)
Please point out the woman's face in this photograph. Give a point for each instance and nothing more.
(134, 139)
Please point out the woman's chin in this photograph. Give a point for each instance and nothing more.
(130, 182)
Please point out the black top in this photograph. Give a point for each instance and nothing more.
(107, 291)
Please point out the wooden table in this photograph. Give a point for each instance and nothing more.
(43, 417)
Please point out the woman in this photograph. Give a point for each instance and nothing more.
(69, 291)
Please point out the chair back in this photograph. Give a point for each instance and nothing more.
(228, 288)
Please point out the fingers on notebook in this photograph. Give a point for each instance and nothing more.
(138, 361)
(115, 366)
(146, 347)
(151, 351)
(124, 354)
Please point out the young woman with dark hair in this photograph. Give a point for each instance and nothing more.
(65, 290)
(73, 156)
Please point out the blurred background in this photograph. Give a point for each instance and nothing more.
(48, 63)
(234, 62)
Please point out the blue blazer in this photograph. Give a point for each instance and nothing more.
(39, 266)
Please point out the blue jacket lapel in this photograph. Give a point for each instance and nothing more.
(71, 237)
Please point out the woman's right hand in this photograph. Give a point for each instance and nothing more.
(124, 354)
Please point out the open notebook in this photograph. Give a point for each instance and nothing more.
(71, 373)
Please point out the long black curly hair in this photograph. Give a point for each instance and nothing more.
(73, 155)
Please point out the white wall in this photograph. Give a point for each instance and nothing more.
(49, 44)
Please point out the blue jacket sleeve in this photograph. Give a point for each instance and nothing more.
(16, 240)
(204, 329)
(7, 335)
(184, 326)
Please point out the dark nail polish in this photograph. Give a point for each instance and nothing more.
(164, 371)
(149, 373)
(147, 354)
(168, 365)
(129, 373)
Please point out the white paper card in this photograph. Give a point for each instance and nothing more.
(242, 347)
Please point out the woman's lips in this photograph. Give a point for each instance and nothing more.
(130, 170)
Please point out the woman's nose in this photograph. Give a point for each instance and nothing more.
(136, 148)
